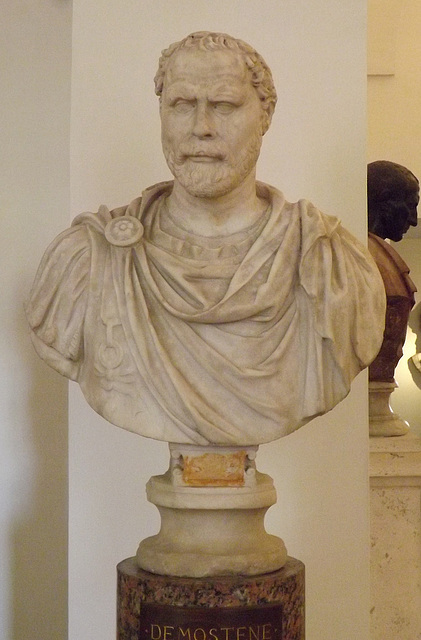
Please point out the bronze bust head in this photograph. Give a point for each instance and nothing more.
(393, 196)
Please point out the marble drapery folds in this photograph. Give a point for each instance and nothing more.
(231, 340)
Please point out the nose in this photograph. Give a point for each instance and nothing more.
(203, 122)
(413, 219)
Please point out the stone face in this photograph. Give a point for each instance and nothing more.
(237, 601)
(395, 488)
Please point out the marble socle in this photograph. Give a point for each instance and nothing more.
(211, 530)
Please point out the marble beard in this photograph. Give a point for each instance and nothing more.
(239, 339)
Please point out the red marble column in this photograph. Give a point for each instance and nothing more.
(263, 607)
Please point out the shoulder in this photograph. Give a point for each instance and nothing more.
(63, 269)
(69, 246)
(317, 229)
(57, 301)
(315, 221)
(382, 251)
(393, 269)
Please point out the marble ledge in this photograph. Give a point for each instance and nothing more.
(395, 460)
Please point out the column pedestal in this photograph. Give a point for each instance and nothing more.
(395, 481)
(264, 607)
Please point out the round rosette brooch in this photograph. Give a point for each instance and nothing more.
(124, 232)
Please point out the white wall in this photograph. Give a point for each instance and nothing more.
(34, 205)
(315, 149)
(394, 122)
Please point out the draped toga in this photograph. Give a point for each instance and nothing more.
(237, 339)
(400, 299)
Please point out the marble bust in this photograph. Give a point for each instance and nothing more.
(209, 310)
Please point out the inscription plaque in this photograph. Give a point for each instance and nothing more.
(165, 622)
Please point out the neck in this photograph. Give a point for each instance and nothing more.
(223, 215)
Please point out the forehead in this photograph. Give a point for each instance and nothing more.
(415, 189)
(414, 197)
(411, 191)
(194, 67)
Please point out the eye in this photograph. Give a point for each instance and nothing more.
(183, 106)
(224, 107)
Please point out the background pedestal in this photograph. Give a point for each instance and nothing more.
(383, 420)
(395, 487)
(284, 587)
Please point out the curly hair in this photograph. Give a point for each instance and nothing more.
(261, 76)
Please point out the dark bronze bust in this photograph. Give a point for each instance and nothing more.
(393, 196)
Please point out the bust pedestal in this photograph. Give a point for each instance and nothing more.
(212, 572)
(212, 503)
(383, 420)
(264, 607)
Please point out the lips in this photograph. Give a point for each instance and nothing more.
(201, 157)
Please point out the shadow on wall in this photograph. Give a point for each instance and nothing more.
(415, 325)
(39, 535)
